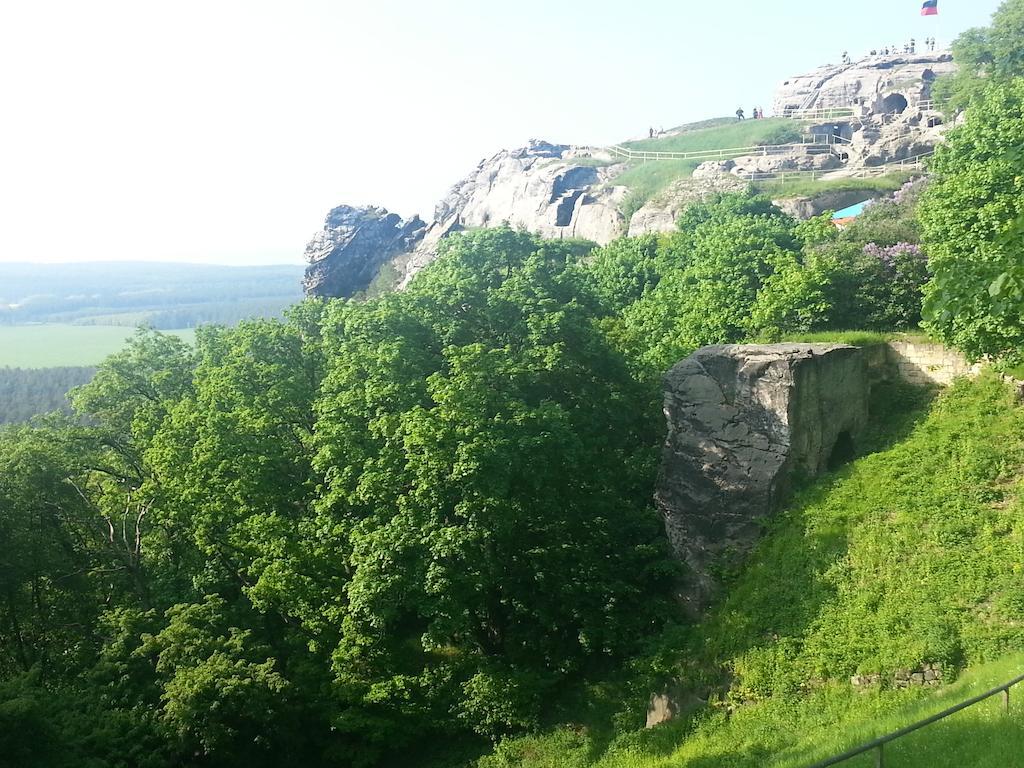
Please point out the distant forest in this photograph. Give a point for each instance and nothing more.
(160, 295)
(28, 392)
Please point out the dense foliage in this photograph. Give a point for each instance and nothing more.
(323, 539)
(983, 55)
(973, 216)
(972, 219)
(28, 392)
(740, 269)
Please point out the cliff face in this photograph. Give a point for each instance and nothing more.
(346, 255)
(552, 190)
(876, 83)
(741, 420)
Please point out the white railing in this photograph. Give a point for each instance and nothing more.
(821, 141)
(907, 164)
(818, 113)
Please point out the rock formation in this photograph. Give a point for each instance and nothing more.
(556, 190)
(878, 84)
(660, 213)
(741, 421)
(346, 255)
(552, 190)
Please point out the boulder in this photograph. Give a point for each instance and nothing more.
(713, 168)
(741, 420)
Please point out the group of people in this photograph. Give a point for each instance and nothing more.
(758, 114)
(908, 47)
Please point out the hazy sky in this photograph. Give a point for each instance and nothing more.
(224, 130)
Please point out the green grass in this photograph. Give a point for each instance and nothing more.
(794, 733)
(645, 180)
(733, 134)
(913, 553)
(713, 122)
(854, 338)
(1016, 371)
(52, 344)
(801, 186)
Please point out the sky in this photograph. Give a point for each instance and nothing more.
(223, 131)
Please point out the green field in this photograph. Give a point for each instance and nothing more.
(53, 344)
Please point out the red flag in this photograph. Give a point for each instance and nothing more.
(930, 8)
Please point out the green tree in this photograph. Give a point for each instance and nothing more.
(968, 216)
(490, 458)
(985, 55)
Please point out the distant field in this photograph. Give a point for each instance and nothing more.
(53, 344)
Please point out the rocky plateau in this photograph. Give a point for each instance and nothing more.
(559, 190)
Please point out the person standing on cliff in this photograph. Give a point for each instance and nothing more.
(739, 113)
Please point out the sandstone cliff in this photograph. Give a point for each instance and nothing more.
(878, 83)
(557, 190)
(346, 255)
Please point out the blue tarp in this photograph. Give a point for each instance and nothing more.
(852, 211)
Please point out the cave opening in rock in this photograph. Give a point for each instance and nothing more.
(843, 451)
(566, 206)
(895, 102)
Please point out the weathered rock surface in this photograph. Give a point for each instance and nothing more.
(660, 213)
(556, 190)
(542, 189)
(552, 190)
(741, 420)
(346, 255)
(877, 83)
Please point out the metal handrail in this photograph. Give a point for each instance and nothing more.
(878, 744)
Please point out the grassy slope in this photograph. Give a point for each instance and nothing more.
(645, 180)
(52, 344)
(803, 187)
(913, 553)
(735, 134)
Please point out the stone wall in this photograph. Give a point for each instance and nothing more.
(926, 363)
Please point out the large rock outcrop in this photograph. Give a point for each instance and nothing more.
(741, 420)
(878, 84)
(552, 190)
(346, 255)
